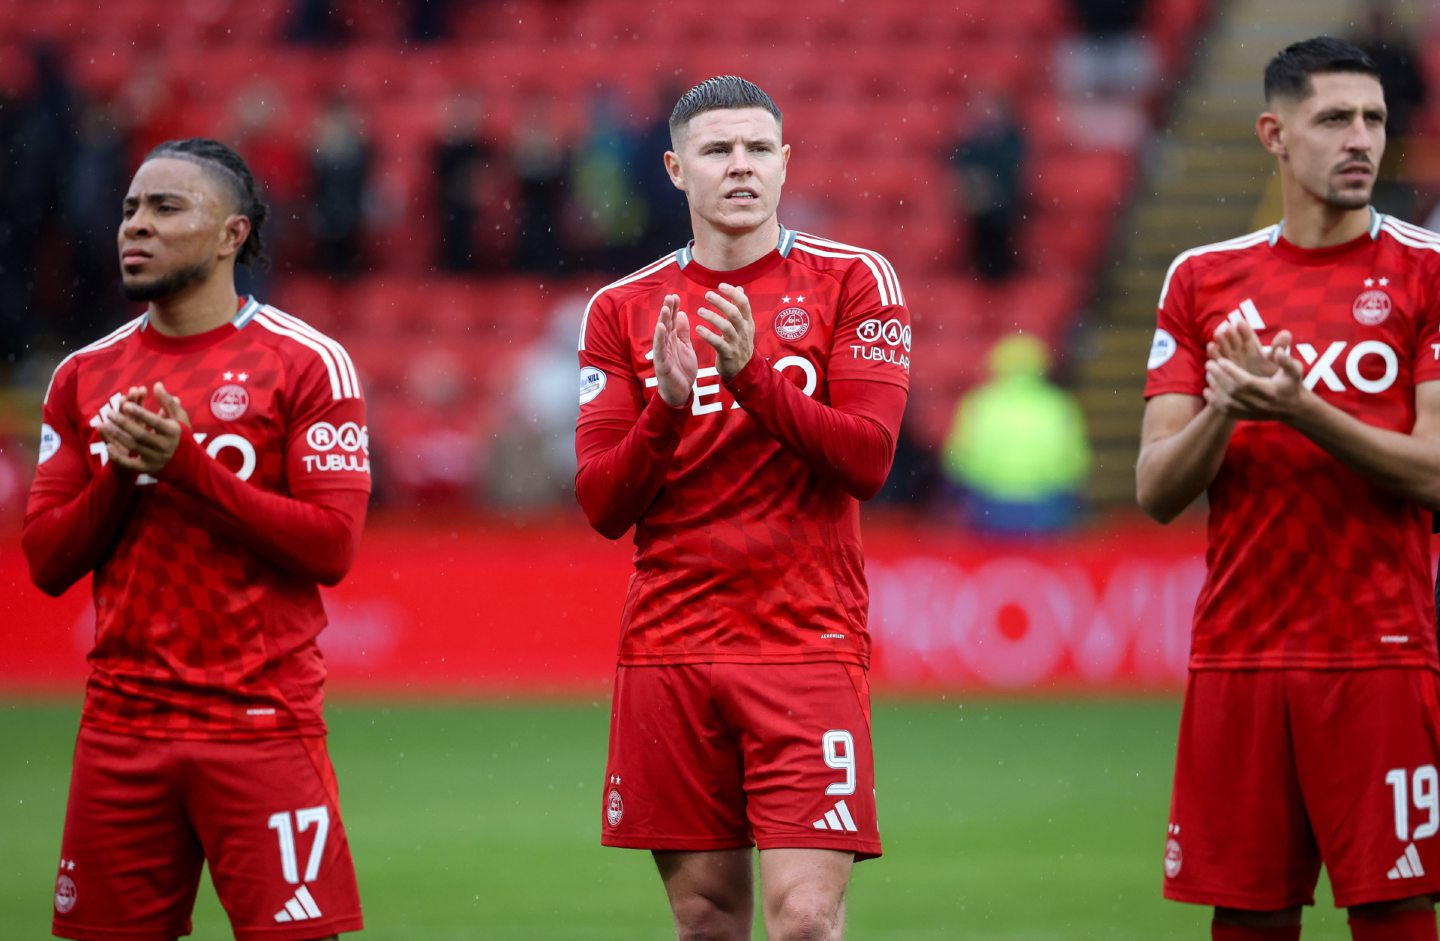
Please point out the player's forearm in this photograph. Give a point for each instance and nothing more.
(621, 471)
(1172, 472)
(1401, 463)
(314, 538)
(63, 541)
(855, 449)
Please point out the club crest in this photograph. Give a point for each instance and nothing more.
(792, 324)
(1371, 307)
(229, 402)
(614, 808)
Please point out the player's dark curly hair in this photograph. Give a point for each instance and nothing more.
(1288, 74)
(228, 166)
(722, 91)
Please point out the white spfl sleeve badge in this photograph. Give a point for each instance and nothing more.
(49, 443)
(1161, 349)
(592, 383)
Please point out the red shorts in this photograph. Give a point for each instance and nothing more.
(724, 755)
(1279, 770)
(144, 814)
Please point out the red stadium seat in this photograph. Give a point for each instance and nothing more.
(872, 95)
(1092, 181)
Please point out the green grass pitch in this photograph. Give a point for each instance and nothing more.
(1003, 820)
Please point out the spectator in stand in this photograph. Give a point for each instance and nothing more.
(988, 159)
(314, 22)
(333, 22)
(96, 174)
(340, 162)
(469, 188)
(435, 452)
(542, 165)
(914, 474)
(668, 225)
(153, 107)
(1111, 54)
(38, 139)
(534, 458)
(263, 135)
(610, 209)
(1383, 39)
(428, 21)
(1108, 73)
(1017, 456)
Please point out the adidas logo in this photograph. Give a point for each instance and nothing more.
(837, 818)
(1248, 312)
(300, 908)
(1408, 865)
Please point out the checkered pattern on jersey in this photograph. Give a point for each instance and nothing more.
(747, 554)
(1310, 565)
(196, 635)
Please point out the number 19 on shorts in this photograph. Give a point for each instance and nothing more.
(1420, 790)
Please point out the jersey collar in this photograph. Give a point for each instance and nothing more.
(248, 308)
(1277, 231)
(685, 258)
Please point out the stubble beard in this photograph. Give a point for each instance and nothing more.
(1347, 199)
(167, 285)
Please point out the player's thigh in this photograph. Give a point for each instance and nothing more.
(268, 816)
(1368, 745)
(804, 885)
(129, 862)
(809, 765)
(673, 776)
(714, 889)
(1239, 835)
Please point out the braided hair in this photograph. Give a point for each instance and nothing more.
(228, 166)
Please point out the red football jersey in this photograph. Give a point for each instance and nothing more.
(1308, 564)
(198, 636)
(747, 554)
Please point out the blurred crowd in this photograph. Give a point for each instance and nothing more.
(532, 204)
(536, 198)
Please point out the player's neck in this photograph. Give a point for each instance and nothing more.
(198, 308)
(1313, 224)
(722, 251)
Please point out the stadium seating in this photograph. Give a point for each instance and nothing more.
(872, 93)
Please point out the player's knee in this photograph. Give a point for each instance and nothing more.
(1411, 919)
(700, 918)
(1276, 918)
(805, 915)
(1236, 924)
(1416, 903)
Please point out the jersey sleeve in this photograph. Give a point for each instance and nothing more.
(71, 516)
(851, 440)
(1177, 353)
(314, 531)
(624, 447)
(327, 444)
(63, 468)
(313, 534)
(1427, 350)
(872, 329)
(611, 395)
